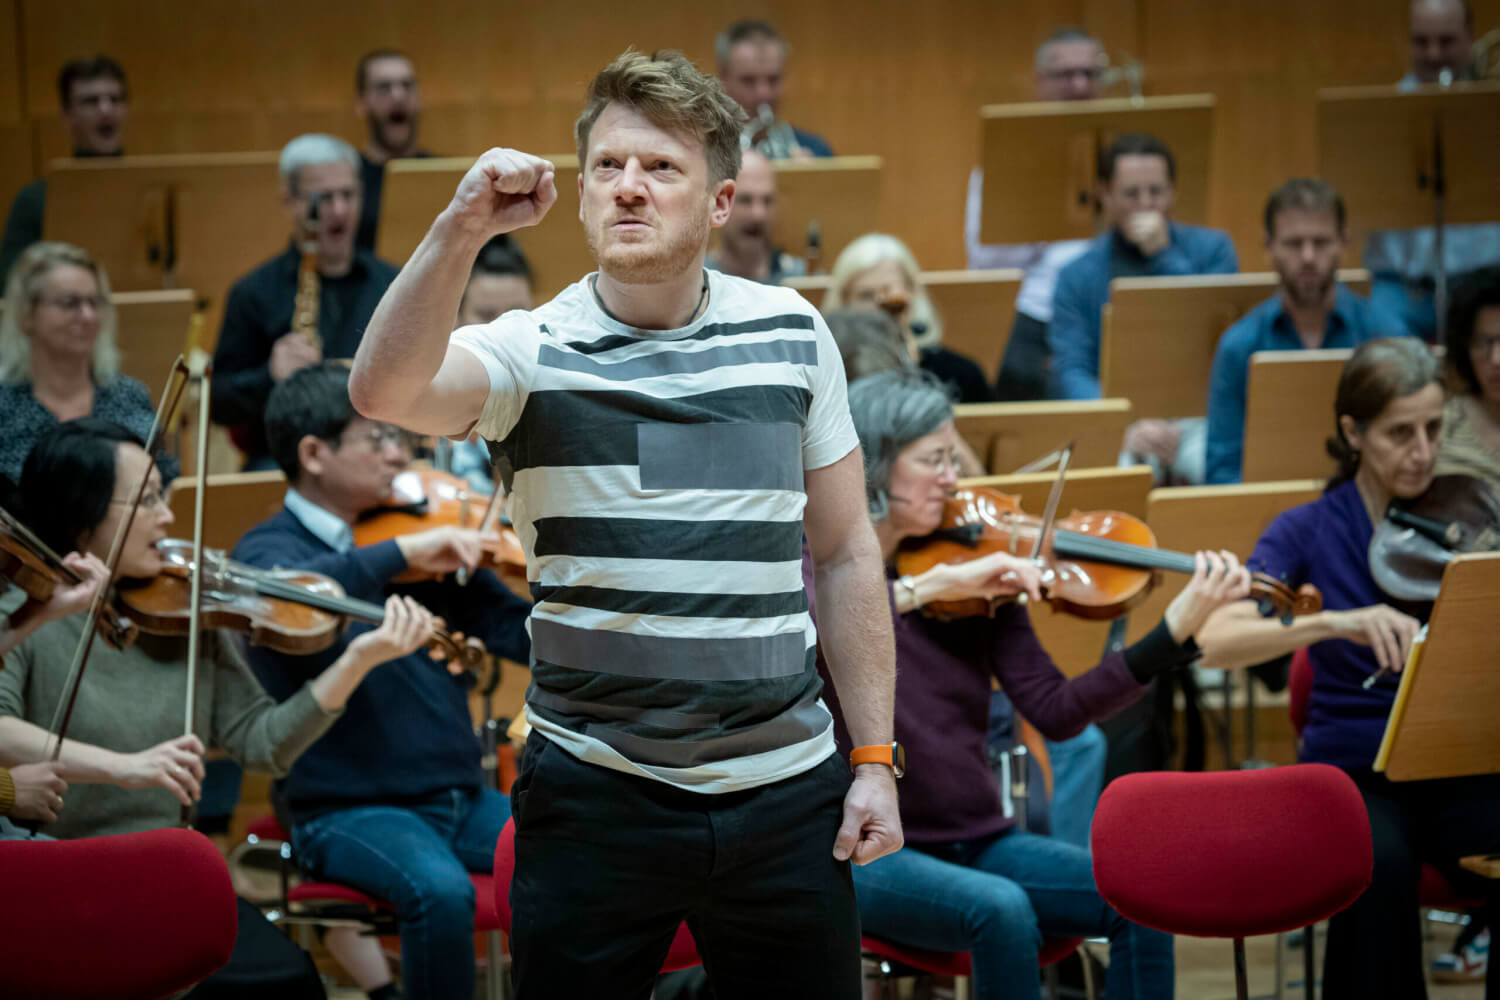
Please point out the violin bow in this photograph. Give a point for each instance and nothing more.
(195, 579)
(1049, 514)
(170, 397)
(491, 509)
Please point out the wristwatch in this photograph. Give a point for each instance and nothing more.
(892, 755)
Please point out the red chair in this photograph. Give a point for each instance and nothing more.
(954, 963)
(1232, 853)
(322, 903)
(683, 954)
(136, 916)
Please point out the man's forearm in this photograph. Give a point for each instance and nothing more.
(404, 345)
(854, 627)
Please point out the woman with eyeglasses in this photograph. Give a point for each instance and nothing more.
(58, 359)
(968, 879)
(128, 763)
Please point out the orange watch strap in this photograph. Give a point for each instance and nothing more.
(875, 753)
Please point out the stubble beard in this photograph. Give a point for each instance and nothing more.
(650, 262)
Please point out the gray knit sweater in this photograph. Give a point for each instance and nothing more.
(135, 698)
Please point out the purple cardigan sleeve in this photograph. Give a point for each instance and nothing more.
(1059, 706)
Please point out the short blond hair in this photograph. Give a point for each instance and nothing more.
(869, 250)
(23, 292)
(672, 94)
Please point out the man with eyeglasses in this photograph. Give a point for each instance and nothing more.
(256, 348)
(95, 102)
(388, 98)
(1069, 67)
(391, 800)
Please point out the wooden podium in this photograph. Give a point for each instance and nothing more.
(1442, 724)
(841, 193)
(1040, 161)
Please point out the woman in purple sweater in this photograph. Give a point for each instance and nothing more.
(1389, 419)
(968, 880)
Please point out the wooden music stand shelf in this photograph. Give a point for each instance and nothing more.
(1040, 161)
(1442, 724)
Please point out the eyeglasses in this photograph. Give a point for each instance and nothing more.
(157, 496)
(73, 303)
(1085, 73)
(378, 436)
(936, 462)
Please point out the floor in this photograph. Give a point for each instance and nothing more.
(1205, 971)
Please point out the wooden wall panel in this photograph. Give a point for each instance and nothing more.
(10, 66)
(905, 83)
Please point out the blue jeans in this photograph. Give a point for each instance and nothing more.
(1077, 781)
(418, 857)
(996, 897)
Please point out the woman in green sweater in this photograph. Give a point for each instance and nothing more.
(129, 765)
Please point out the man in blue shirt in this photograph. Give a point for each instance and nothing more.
(1304, 222)
(391, 800)
(1137, 178)
(752, 68)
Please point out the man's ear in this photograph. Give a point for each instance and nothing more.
(580, 192)
(723, 203)
(312, 453)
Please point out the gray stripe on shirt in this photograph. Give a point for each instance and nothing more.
(623, 654)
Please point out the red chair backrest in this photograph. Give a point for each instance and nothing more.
(1232, 853)
(1299, 689)
(136, 916)
(683, 954)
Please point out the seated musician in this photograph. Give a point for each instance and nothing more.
(128, 763)
(878, 272)
(744, 245)
(95, 104)
(392, 800)
(1069, 67)
(1388, 425)
(257, 347)
(388, 98)
(968, 880)
(1311, 309)
(752, 70)
(58, 358)
(1471, 421)
(1137, 179)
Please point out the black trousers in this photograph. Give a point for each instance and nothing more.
(1375, 946)
(1023, 369)
(608, 865)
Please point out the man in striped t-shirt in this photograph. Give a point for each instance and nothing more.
(670, 435)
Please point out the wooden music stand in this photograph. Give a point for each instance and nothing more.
(842, 193)
(1007, 436)
(236, 502)
(977, 308)
(1442, 724)
(1040, 161)
(1075, 644)
(1289, 413)
(1158, 336)
(199, 221)
(1408, 159)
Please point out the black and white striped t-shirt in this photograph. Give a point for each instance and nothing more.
(657, 482)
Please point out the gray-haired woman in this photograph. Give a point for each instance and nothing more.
(969, 880)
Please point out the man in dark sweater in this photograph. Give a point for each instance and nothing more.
(391, 800)
(256, 347)
(95, 101)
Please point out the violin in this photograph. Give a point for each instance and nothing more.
(31, 565)
(1095, 565)
(1417, 538)
(426, 498)
(291, 611)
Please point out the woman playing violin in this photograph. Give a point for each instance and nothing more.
(1388, 426)
(130, 764)
(58, 359)
(968, 880)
